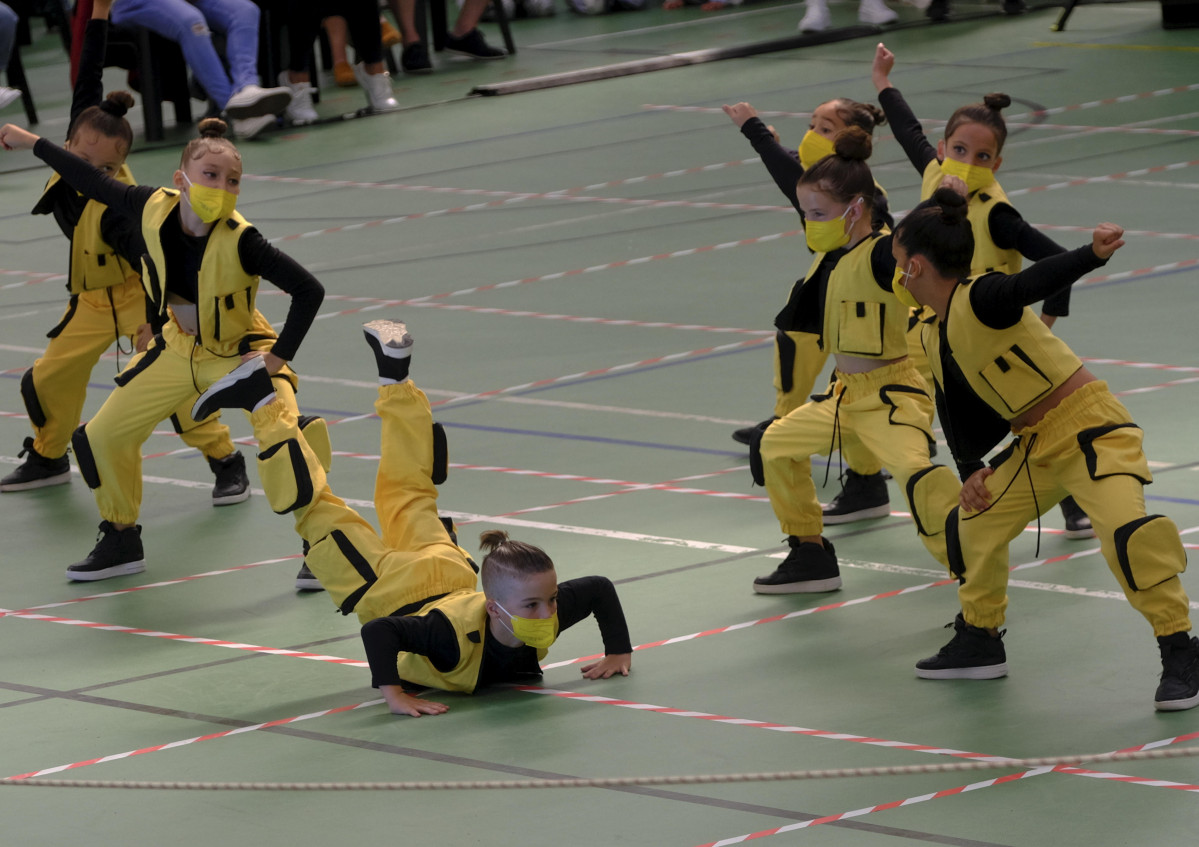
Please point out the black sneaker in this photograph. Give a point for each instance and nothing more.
(232, 485)
(1179, 688)
(247, 386)
(937, 11)
(473, 45)
(118, 552)
(863, 497)
(393, 347)
(746, 435)
(808, 569)
(306, 580)
(36, 471)
(973, 653)
(415, 59)
(1078, 525)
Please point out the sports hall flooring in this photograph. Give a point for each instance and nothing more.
(591, 284)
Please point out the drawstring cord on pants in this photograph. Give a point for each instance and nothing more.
(1027, 468)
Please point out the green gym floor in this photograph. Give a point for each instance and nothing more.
(590, 273)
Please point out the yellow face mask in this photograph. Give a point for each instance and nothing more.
(209, 204)
(975, 177)
(901, 290)
(538, 633)
(813, 148)
(827, 236)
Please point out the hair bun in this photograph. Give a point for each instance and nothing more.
(117, 103)
(212, 128)
(879, 116)
(491, 539)
(952, 205)
(997, 101)
(853, 143)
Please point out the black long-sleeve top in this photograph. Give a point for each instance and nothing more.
(184, 252)
(972, 428)
(432, 635)
(119, 232)
(1008, 229)
(784, 168)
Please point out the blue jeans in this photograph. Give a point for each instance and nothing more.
(187, 22)
(8, 34)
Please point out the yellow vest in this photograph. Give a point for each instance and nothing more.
(987, 257)
(467, 613)
(861, 319)
(1010, 369)
(94, 264)
(225, 293)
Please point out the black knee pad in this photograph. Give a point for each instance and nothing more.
(285, 476)
(33, 406)
(953, 546)
(441, 455)
(756, 470)
(84, 457)
(1149, 551)
(921, 488)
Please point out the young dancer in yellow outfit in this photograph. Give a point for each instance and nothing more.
(202, 268)
(107, 301)
(799, 357)
(425, 624)
(971, 151)
(1072, 437)
(877, 393)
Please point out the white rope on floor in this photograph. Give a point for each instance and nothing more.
(622, 782)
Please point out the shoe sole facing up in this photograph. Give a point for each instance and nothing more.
(44, 482)
(981, 672)
(124, 569)
(813, 586)
(272, 104)
(873, 512)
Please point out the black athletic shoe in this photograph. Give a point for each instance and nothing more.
(232, 485)
(973, 653)
(415, 59)
(306, 580)
(1078, 525)
(937, 11)
(118, 552)
(393, 347)
(247, 386)
(863, 497)
(746, 435)
(808, 569)
(473, 45)
(36, 471)
(1179, 688)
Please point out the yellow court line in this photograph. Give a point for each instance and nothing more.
(1153, 47)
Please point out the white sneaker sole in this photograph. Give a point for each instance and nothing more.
(230, 499)
(812, 586)
(860, 515)
(44, 482)
(269, 104)
(1176, 705)
(124, 569)
(983, 672)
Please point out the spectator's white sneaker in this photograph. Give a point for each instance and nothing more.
(8, 96)
(817, 18)
(254, 101)
(247, 128)
(377, 88)
(875, 12)
(299, 111)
